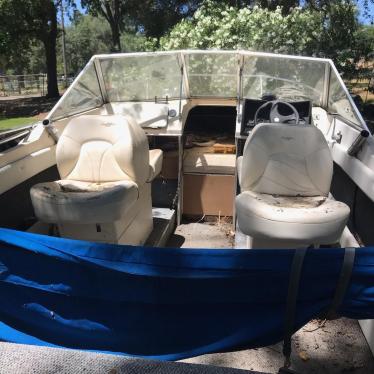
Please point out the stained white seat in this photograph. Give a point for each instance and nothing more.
(75, 201)
(105, 167)
(285, 175)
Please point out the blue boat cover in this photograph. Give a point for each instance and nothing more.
(164, 303)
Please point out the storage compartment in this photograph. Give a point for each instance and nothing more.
(212, 195)
(209, 161)
(209, 146)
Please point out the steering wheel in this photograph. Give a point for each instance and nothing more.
(275, 116)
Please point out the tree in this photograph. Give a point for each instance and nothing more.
(10, 45)
(85, 37)
(35, 19)
(156, 18)
(286, 5)
(114, 12)
(226, 27)
(324, 32)
(88, 35)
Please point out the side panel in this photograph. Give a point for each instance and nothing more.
(362, 207)
(353, 183)
(21, 170)
(15, 204)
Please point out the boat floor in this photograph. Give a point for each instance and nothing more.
(213, 234)
(329, 348)
(337, 347)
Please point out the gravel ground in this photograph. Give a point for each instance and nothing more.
(337, 347)
(325, 348)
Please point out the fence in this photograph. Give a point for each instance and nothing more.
(31, 84)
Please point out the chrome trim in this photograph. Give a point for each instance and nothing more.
(14, 134)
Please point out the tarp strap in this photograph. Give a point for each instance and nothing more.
(343, 282)
(293, 290)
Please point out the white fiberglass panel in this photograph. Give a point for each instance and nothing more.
(84, 94)
(212, 74)
(287, 78)
(141, 77)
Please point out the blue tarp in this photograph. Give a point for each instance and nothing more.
(164, 303)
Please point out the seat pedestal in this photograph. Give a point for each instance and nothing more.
(133, 229)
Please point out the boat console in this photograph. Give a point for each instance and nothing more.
(252, 106)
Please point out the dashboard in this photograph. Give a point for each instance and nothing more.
(250, 107)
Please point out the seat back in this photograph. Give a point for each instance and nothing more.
(96, 148)
(286, 160)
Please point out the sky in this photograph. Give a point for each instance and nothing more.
(371, 12)
(365, 20)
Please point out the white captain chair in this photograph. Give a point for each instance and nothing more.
(106, 170)
(285, 175)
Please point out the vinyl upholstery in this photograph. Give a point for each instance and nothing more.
(103, 161)
(285, 175)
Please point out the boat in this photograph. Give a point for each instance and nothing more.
(91, 198)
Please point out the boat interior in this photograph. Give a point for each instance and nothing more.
(142, 142)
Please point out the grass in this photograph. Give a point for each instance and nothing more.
(11, 123)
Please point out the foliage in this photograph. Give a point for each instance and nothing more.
(85, 37)
(114, 12)
(36, 20)
(308, 31)
(360, 66)
(286, 5)
(225, 27)
(156, 18)
(320, 27)
(89, 35)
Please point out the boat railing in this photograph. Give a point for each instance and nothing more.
(10, 138)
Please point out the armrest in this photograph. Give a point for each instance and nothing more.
(239, 162)
(155, 163)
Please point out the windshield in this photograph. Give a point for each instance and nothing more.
(289, 79)
(82, 95)
(207, 74)
(339, 101)
(212, 75)
(141, 77)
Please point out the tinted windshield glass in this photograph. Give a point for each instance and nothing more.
(338, 100)
(212, 74)
(141, 77)
(287, 78)
(84, 94)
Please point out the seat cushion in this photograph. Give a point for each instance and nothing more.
(287, 160)
(314, 220)
(103, 148)
(83, 202)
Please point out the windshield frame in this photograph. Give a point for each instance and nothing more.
(241, 57)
